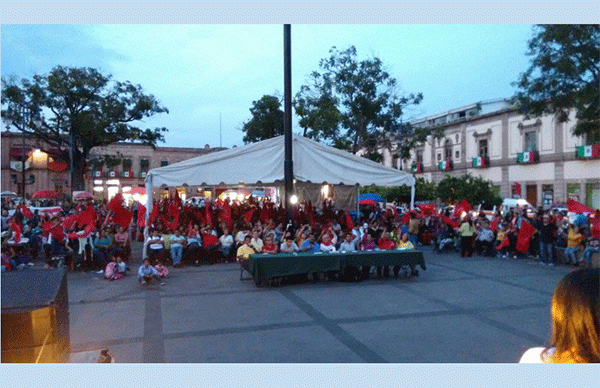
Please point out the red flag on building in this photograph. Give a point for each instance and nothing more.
(17, 229)
(524, 236)
(517, 188)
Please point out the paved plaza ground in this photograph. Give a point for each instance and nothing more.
(458, 310)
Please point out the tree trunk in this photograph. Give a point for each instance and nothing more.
(78, 173)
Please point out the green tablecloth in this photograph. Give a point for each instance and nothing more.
(265, 266)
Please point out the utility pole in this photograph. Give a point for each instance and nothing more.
(288, 168)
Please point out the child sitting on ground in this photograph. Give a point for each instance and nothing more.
(115, 270)
(147, 272)
(161, 268)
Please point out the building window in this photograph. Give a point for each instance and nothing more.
(483, 148)
(457, 154)
(419, 156)
(144, 165)
(456, 137)
(126, 164)
(439, 157)
(448, 149)
(530, 141)
(164, 163)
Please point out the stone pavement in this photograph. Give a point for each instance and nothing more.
(458, 310)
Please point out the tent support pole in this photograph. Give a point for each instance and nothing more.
(148, 211)
(412, 197)
(288, 167)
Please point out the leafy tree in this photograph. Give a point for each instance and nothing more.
(348, 102)
(564, 75)
(424, 191)
(476, 190)
(266, 121)
(86, 108)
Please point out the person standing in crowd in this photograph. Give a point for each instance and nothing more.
(413, 228)
(575, 321)
(547, 235)
(466, 232)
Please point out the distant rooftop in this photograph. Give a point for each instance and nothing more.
(463, 113)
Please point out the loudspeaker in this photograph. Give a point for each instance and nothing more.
(35, 316)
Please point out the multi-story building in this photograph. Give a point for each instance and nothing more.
(492, 140)
(47, 167)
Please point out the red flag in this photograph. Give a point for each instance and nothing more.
(248, 215)
(46, 228)
(69, 221)
(141, 215)
(463, 206)
(503, 244)
(517, 188)
(450, 221)
(226, 215)
(17, 229)
(174, 213)
(264, 213)
(208, 215)
(58, 233)
(153, 214)
(121, 216)
(595, 232)
(577, 207)
(525, 234)
(405, 218)
(190, 229)
(494, 224)
(87, 217)
(26, 212)
(349, 222)
(427, 209)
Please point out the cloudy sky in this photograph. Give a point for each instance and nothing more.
(203, 72)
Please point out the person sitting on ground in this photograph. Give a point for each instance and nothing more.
(147, 272)
(575, 321)
(156, 245)
(326, 244)
(161, 268)
(115, 270)
(177, 243)
(288, 246)
(573, 244)
(270, 246)
(310, 245)
(19, 258)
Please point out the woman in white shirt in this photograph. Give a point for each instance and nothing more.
(575, 321)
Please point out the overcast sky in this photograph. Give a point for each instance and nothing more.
(202, 72)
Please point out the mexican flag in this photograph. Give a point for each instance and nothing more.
(97, 174)
(526, 157)
(127, 174)
(588, 151)
(444, 165)
(478, 161)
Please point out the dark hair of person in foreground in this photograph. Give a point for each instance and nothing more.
(576, 318)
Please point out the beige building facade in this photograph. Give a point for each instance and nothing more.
(48, 169)
(492, 140)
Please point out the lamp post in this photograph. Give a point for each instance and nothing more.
(25, 115)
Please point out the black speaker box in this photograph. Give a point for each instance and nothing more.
(35, 316)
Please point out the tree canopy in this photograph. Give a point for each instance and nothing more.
(83, 104)
(352, 104)
(266, 121)
(563, 76)
(476, 190)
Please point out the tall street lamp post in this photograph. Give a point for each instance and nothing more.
(25, 115)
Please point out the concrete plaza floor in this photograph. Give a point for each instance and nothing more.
(458, 310)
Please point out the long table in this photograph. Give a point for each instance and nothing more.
(267, 266)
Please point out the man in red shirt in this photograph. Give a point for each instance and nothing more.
(385, 244)
(210, 243)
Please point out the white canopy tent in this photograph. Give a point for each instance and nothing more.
(261, 163)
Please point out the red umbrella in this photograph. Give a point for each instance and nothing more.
(43, 194)
(83, 195)
(367, 202)
(137, 190)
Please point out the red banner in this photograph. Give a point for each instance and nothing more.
(525, 234)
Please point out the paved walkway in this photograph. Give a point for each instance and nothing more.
(458, 310)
